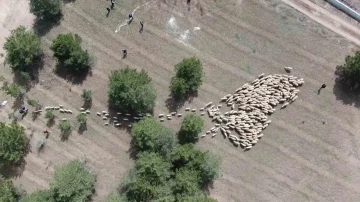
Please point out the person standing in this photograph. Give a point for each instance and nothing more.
(124, 53)
(112, 4)
(142, 26)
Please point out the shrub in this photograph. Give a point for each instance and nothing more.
(351, 69)
(81, 119)
(150, 135)
(13, 143)
(22, 49)
(131, 91)
(47, 9)
(50, 115)
(86, 95)
(7, 191)
(72, 183)
(188, 78)
(38, 196)
(114, 197)
(179, 88)
(14, 90)
(191, 126)
(32, 102)
(64, 127)
(67, 49)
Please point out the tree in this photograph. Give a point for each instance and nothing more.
(45, 9)
(38, 196)
(191, 126)
(14, 90)
(72, 183)
(150, 135)
(50, 115)
(131, 91)
(153, 168)
(7, 191)
(81, 119)
(186, 183)
(67, 49)
(13, 143)
(188, 78)
(86, 95)
(179, 88)
(209, 168)
(351, 69)
(185, 154)
(22, 49)
(64, 127)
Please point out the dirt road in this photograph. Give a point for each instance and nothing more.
(311, 150)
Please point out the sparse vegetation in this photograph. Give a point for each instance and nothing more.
(351, 69)
(45, 9)
(64, 127)
(14, 90)
(13, 143)
(50, 115)
(131, 91)
(191, 126)
(7, 191)
(67, 50)
(81, 119)
(38, 196)
(188, 78)
(86, 95)
(22, 49)
(32, 103)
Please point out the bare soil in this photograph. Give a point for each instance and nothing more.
(310, 152)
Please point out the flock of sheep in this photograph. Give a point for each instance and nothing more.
(250, 106)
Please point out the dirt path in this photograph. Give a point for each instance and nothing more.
(329, 20)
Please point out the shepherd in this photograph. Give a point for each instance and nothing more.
(124, 53)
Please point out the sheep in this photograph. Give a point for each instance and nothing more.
(104, 112)
(61, 106)
(201, 109)
(115, 118)
(179, 115)
(202, 114)
(161, 115)
(106, 123)
(63, 119)
(203, 135)
(127, 114)
(169, 117)
(82, 109)
(129, 125)
(115, 121)
(104, 118)
(62, 111)
(208, 104)
(161, 120)
(87, 111)
(118, 124)
(193, 110)
(187, 109)
(56, 108)
(173, 113)
(118, 113)
(69, 111)
(83, 112)
(125, 119)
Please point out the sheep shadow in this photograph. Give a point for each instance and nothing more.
(348, 93)
(42, 26)
(76, 78)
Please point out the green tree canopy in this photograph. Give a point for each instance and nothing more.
(47, 9)
(352, 68)
(67, 49)
(209, 168)
(131, 91)
(7, 191)
(72, 183)
(22, 49)
(188, 78)
(186, 183)
(115, 197)
(13, 143)
(183, 155)
(153, 168)
(191, 126)
(150, 135)
(38, 196)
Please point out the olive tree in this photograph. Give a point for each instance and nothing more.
(45, 9)
(131, 91)
(191, 126)
(351, 69)
(13, 143)
(72, 183)
(22, 49)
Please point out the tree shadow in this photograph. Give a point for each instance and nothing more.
(50, 123)
(348, 93)
(65, 135)
(74, 77)
(15, 170)
(174, 105)
(18, 102)
(43, 26)
(68, 1)
(132, 151)
(87, 104)
(82, 128)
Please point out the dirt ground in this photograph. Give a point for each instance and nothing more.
(311, 150)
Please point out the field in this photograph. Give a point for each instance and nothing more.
(311, 150)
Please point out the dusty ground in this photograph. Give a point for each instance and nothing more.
(311, 150)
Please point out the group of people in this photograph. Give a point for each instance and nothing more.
(131, 17)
